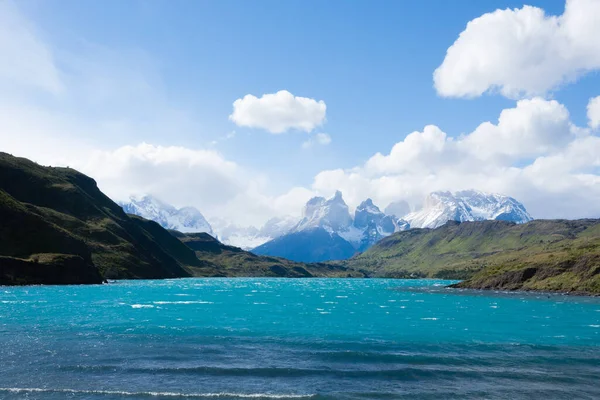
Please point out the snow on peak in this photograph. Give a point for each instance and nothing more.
(467, 205)
(368, 225)
(186, 219)
(330, 214)
(374, 224)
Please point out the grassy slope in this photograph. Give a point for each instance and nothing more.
(61, 211)
(233, 261)
(35, 251)
(58, 227)
(540, 255)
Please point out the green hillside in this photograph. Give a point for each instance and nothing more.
(57, 227)
(558, 255)
(50, 213)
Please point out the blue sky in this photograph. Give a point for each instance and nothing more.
(167, 74)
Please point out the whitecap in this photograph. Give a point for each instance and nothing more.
(183, 302)
(142, 306)
(430, 319)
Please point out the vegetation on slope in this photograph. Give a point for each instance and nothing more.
(58, 211)
(57, 227)
(556, 255)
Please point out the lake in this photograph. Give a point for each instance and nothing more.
(303, 338)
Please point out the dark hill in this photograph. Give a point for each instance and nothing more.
(56, 226)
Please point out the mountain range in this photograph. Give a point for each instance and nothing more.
(467, 205)
(327, 230)
(308, 240)
(57, 227)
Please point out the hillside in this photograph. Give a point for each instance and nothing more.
(558, 255)
(234, 261)
(57, 227)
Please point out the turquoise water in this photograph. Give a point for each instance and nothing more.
(305, 338)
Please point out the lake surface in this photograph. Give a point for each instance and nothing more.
(304, 338)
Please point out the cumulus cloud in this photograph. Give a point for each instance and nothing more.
(109, 107)
(593, 112)
(198, 177)
(322, 139)
(278, 112)
(534, 153)
(534, 127)
(522, 51)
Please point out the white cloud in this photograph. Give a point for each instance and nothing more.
(532, 154)
(593, 112)
(522, 51)
(278, 112)
(322, 139)
(98, 106)
(196, 177)
(534, 127)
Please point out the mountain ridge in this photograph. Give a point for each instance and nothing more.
(467, 205)
(59, 228)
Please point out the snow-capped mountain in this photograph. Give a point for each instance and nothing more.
(278, 226)
(374, 224)
(330, 214)
(328, 231)
(186, 219)
(467, 205)
(232, 234)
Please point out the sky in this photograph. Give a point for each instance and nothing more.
(246, 110)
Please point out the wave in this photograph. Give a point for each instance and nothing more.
(428, 372)
(183, 302)
(159, 394)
